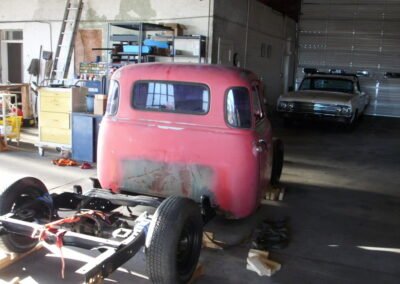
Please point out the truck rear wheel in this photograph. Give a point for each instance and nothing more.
(27, 199)
(174, 240)
(277, 161)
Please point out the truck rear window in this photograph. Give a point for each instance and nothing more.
(176, 97)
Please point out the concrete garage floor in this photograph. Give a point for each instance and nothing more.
(342, 198)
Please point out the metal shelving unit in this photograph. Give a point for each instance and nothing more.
(141, 29)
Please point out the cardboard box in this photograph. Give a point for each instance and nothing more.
(177, 29)
(100, 103)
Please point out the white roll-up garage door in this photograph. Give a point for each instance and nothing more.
(354, 36)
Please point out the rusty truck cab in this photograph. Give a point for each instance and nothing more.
(187, 130)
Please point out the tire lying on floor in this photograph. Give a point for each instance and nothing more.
(28, 198)
(174, 241)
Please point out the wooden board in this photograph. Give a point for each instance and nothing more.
(275, 193)
(207, 243)
(3, 146)
(197, 273)
(26, 102)
(86, 40)
(258, 262)
(6, 259)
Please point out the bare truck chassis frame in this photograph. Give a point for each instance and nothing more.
(114, 253)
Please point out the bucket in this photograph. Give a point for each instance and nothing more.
(90, 103)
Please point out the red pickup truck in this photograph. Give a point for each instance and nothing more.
(189, 140)
(187, 130)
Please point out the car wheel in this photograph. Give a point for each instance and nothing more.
(174, 241)
(277, 161)
(28, 199)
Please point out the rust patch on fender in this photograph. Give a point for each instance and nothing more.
(166, 179)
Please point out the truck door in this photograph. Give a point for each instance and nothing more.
(263, 138)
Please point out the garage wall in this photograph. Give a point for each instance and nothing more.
(40, 20)
(355, 36)
(259, 36)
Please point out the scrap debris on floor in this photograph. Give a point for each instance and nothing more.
(271, 235)
(64, 162)
(268, 235)
(258, 262)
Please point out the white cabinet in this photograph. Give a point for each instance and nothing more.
(190, 49)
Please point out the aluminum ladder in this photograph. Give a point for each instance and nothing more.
(66, 39)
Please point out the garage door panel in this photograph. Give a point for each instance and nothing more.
(355, 36)
(391, 45)
(392, 29)
(307, 58)
(348, 10)
(338, 59)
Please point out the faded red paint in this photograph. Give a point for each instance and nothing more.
(189, 154)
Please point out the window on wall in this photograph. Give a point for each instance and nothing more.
(13, 35)
(175, 97)
(238, 110)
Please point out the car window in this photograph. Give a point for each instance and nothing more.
(113, 98)
(238, 111)
(328, 84)
(258, 110)
(176, 97)
(305, 85)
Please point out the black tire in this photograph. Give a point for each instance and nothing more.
(277, 161)
(21, 194)
(174, 241)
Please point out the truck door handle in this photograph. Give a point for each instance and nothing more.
(261, 145)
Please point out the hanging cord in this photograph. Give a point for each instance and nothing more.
(50, 229)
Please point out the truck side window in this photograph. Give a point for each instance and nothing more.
(258, 110)
(113, 98)
(238, 111)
